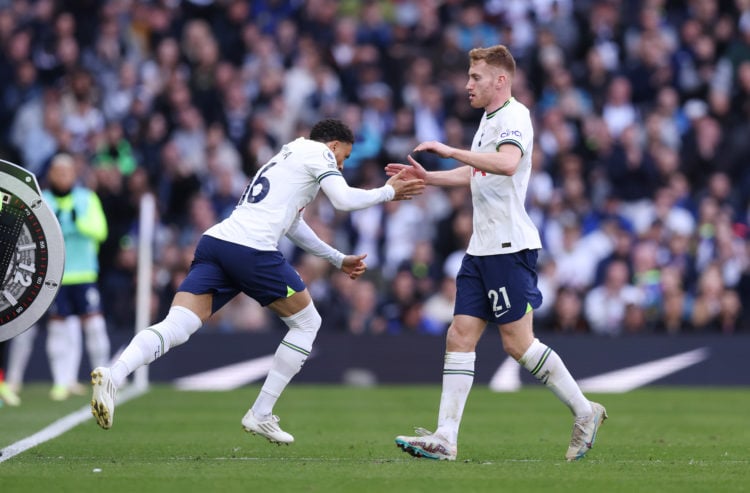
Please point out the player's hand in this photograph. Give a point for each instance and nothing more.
(404, 187)
(435, 147)
(354, 265)
(413, 170)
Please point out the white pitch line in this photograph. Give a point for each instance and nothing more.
(62, 425)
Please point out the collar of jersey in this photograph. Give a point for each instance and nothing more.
(490, 115)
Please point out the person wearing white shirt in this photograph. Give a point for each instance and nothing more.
(497, 281)
(605, 305)
(240, 254)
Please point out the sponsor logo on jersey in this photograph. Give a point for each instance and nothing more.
(511, 133)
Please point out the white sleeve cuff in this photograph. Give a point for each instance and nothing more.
(390, 192)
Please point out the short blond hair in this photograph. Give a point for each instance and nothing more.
(496, 56)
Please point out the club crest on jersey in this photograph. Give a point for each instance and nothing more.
(328, 156)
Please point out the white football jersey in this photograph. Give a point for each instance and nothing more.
(277, 194)
(501, 223)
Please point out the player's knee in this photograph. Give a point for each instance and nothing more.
(461, 340)
(307, 320)
(179, 325)
(171, 335)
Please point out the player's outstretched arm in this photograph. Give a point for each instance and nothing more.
(304, 237)
(503, 162)
(451, 178)
(436, 147)
(346, 198)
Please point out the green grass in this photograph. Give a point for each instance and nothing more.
(656, 440)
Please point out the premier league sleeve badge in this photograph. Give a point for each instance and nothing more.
(32, 251)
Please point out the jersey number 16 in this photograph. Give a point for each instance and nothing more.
(258, 188)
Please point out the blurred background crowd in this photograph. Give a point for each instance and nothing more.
(640, 187)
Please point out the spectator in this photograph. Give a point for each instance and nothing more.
(36, 129)
(618, 110)
(163, 67)
(622, 250)
(123, 94)
(579, 255)
(363, 317)
(728, 67)
(605, 305)
(400, 140)
(647, 278)
(368, 141)
(567, 315)
(472, 31)
(412, 320)
(438, 307)
(716, 308)
(115, 150)
(703, 153)
(634, 99)
(676, 303)
(80, 113)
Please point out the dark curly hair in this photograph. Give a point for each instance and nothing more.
(330, 129)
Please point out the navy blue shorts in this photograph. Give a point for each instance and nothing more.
(225, 269)
(498, 288)
(76, 299)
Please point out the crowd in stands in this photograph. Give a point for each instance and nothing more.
(641, 178)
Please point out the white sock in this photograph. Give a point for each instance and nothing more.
(75, 351)
(154, 342)
(97, 340)
(60, 345)
(548, 368)
(19, 354)
(289, 358)
(458, 377)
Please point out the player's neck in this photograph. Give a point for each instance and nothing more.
(498, 103)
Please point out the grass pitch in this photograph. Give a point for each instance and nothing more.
(656, 440)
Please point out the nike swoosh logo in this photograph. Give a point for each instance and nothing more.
(498, 315)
